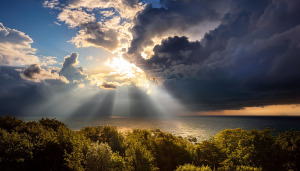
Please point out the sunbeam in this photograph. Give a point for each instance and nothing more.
(63, 103)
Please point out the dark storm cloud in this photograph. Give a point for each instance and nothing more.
(250, 59)
(173, 16)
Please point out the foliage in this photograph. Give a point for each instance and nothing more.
(52, 123)
(190, 167)
(168, 150)
(9, 123)
(118, 163)
(138, 157)
(75, 147)
(15, 150)
(239, 168)
(249, 148)
(49, 145)
(208, 153)
(289, 143)
(106, 134)
(247, 168)
(99, 157)
(171, 151)
(36, 146)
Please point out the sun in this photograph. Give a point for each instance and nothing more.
(122, 73)
(120, 66)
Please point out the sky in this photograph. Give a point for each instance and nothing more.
(156, 58)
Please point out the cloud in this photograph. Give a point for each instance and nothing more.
(175, 17)
(75, 17)
(71, 60)
(48, 60)
(108, 86)
(24, 89)
(125, 8)
(50, 98)
(250, 59)
(93, 34)
(89, 58)
(15, 47)
(212, 55)
(57, 23)
(51, 4)
(110, 30)
(35, 73)
(71, 72)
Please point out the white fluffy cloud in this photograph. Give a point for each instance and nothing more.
(95, 34)
(75, 17)
(70, 71)
(126, 8)
(51, 3)
(37, 74)
(110, 30)
(15, 48)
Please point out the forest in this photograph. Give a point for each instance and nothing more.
(48, 144)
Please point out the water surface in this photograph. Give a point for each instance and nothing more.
(201, 127)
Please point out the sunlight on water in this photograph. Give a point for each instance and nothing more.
(202, 127)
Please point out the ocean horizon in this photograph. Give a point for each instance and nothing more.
(201, 127)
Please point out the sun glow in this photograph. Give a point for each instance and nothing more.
(123, 67)
(270, 110)
(121, 72)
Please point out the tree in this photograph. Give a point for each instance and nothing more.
(99, 157)
(50, 145)
(106, 134)
(138, 158)
(52, 123)
(171, 151)
(289, 143)
(190, 167)
(249, 148)
(75, 146)
(118, 162)
(10, 123)
(15, 150)
(207, 153)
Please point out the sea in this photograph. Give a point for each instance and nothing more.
(201, 127)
